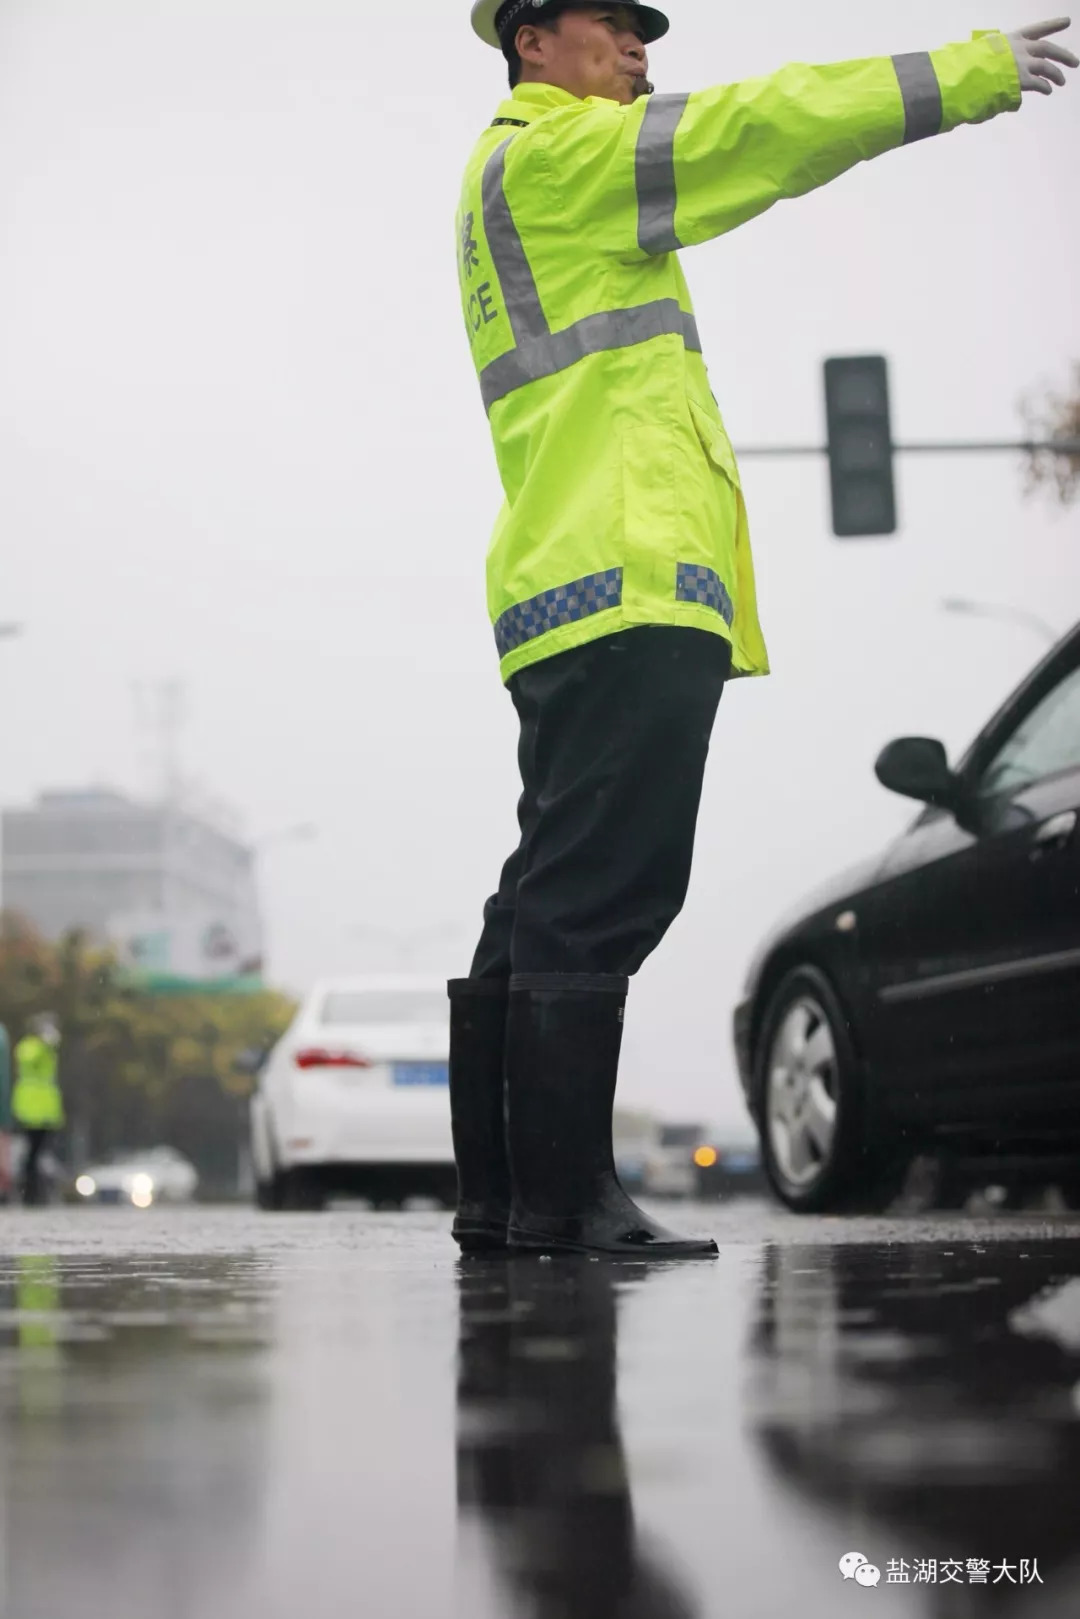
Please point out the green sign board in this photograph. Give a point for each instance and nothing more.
(151, 983)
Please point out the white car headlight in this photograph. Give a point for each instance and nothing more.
(86, 1185)
(142, 1191)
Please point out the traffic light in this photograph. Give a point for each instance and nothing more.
(860, 446)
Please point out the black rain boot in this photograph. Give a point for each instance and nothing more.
(478, 1111)
(563, 1037)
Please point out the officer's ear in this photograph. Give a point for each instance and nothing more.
(531, 43)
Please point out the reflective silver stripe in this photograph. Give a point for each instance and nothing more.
(655, 166)
(518, 284)
(923, 106)
(566, 604)
(611, 329)
(704, 586)
(539, 351)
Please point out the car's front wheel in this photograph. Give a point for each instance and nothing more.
(811, 1106)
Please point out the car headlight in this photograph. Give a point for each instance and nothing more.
(86, 1185)
(142, 1191)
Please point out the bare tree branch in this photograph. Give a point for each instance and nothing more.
(1050, 415)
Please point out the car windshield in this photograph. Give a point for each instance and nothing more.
(1047, 743)
(385, 1006)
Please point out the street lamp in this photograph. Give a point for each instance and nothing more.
(1005, 615)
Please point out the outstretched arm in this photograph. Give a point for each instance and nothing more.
(738, 151)
(673, 171)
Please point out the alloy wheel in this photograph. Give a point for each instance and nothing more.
(801, 1094)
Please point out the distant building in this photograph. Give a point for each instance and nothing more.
(173, 892)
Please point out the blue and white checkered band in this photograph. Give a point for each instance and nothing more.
(566, 604)
(706, 588)
(508, 18)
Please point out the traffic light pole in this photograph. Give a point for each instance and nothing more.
(861, 451)
(1059, 446)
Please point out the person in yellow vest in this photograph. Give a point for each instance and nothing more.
(37, 1104)
(620, 578)
(5, 1116)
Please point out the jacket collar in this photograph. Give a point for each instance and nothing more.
(531, 101)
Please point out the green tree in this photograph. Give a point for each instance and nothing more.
(139, 1069)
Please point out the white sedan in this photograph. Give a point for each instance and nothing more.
(140, 1179)
(354, 1098)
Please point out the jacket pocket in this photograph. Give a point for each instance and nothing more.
(715, 442)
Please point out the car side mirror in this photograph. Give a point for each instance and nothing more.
(918, 767)
(251, 1061)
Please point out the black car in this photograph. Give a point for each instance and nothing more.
(929, 1002)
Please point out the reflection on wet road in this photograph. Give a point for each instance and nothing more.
(213, 1415)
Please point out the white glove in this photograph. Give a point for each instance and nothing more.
(1037, 56)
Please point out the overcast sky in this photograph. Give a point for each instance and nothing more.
(242, 445)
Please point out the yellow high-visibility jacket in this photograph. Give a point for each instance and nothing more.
(36, 1101)
(623, 501)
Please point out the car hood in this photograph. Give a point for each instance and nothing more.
(116, 1177)
(844, 885)
(119, 1177)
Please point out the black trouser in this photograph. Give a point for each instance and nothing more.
(614, 739)
(31, 1180)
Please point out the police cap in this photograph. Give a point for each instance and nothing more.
(494, 20)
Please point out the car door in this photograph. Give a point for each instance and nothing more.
(971, 945)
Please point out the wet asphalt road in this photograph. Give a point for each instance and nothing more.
(210, 1413)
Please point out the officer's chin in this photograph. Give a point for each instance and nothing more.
(640, 87)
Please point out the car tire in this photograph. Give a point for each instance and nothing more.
(810, 1105)
(301, 1193)
(270, 1195)
(954, 1190)
(1070, 1194)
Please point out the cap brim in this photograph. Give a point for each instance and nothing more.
(483, 21)
(653, 23)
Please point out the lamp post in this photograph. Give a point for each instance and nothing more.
(1005, 615)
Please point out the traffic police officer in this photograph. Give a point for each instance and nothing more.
(620, 579)
(37, 1105)
(5, 1115)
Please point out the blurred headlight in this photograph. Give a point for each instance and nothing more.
(86, 1185)
(706, 1157)
(142, 1191)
